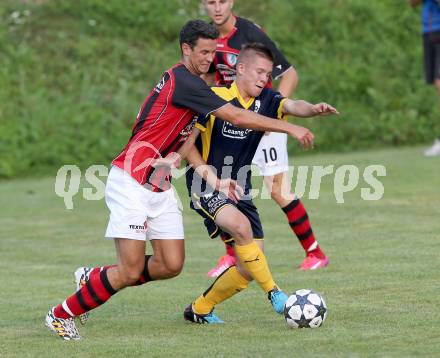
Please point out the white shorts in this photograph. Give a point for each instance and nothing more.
(271, 155)
(140, 214)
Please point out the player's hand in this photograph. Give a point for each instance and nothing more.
(303, 135)
(324, 109)
(230, 188)
(172, 160)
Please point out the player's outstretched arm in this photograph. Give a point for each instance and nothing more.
(300, 108)
(251, 120)
(228, 186)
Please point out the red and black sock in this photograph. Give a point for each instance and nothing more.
(94, 293)
(144, 278)
(300, 224)
(98, 269)
(145, 275)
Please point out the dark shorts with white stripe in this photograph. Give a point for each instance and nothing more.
(209, 205)
(431, 56)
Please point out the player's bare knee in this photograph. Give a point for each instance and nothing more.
(171, 265)
(242, 231)
(275, 194)
(171, 272)
(280, 197)
(173, 268)
(130, 275)
(275, 187)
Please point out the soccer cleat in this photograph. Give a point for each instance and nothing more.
(434, 150)
(278, 299)
(209, 318)
(311, 262)
(82, 275)
(223, 264)
(65, 328)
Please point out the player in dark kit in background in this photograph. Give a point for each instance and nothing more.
(229, 151)
(142, 204)
(430, 21)
(271, 156)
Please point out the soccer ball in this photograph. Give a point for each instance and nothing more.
(305, 309)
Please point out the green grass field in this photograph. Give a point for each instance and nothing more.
(382, 285)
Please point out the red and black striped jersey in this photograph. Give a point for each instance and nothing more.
(164, 122)
(229, 47)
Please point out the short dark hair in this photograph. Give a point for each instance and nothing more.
(256, 48)
(195, 29)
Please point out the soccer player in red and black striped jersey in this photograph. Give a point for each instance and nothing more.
(141, 201)
(271, 156)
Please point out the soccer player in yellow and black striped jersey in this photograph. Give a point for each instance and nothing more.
(229, 150)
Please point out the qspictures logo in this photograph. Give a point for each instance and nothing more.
(304, 181)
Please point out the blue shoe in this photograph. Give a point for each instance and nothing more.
(191, 316)
(278, 299)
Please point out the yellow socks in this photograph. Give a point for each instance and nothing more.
(225, 286)
(254, 261)
(231, 281)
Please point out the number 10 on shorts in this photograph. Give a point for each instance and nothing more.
(271, 154)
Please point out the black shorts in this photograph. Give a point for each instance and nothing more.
(431, 54)
(209, 205)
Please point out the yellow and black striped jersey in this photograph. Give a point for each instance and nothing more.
(230, 149)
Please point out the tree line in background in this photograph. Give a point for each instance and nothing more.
(73, 74)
